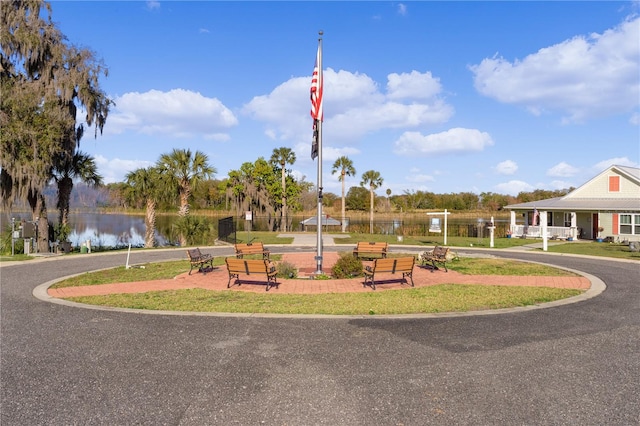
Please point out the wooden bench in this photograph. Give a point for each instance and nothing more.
(251, 248)
(199, 259)
(439, 254)
(370, 250)
(263, 267)
(392, 265)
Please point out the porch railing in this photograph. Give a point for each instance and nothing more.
(553, 232)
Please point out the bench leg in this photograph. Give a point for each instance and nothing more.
(271, 282)
(193, 265)
(370, 281)
(434, 267)
(209, 262)
(231, 276)
(410, 275)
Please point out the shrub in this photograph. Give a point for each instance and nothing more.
(287, 270)
(5, 243)
(321, 277)
(347, 266)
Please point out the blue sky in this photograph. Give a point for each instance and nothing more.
(443, 97)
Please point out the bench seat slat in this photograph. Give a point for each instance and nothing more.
(402, 265)
(364, 248)
(251, 248)
(263, 267)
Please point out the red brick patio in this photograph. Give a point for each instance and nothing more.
(217, 280)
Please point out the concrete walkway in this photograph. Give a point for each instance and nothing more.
(310, 239)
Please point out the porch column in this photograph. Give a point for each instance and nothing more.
(543, 229)
(574, 225)
(512, 222)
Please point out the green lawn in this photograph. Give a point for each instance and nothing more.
(443, 298)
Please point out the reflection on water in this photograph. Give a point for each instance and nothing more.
(104, 230)
(110, 230)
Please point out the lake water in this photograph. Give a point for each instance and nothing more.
(104, 230)
(120, 230)
(110, 230)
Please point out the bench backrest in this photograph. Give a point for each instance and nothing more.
(394, 264)
(247, 247)
(247, 266)
(369, 246)
(194, 253)
(440, 251)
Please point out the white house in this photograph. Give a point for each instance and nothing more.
(607, 206)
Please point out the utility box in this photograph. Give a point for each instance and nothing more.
(27, 246)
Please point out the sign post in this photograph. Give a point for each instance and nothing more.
(248, 217)
(433, 222)
(492, 228)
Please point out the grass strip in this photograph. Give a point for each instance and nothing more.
(440, 298)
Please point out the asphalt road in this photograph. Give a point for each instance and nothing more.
(577, 364)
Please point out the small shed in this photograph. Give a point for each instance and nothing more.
(313, 221)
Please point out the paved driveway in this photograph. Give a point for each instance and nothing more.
(572, 365)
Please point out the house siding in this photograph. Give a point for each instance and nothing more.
(606, 221)
(598, 187)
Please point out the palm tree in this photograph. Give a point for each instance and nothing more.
(185, 171)
(80, 166)
(388, 199)
(281, 157)
(345, 166)
(146, 185)
(374, 181)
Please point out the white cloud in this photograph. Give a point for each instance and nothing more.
(414, 85)
(178, 113)
(354, 106)
(115, 170)
(506, 167)
(153, 4)
(513, 187)
(617, 161)
(402, 9)
(584, 77)
(562, 169)
(456, 140)
(635, 119)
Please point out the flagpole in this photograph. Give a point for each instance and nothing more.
(319, 128)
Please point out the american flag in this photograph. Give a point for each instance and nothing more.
(316, 89)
